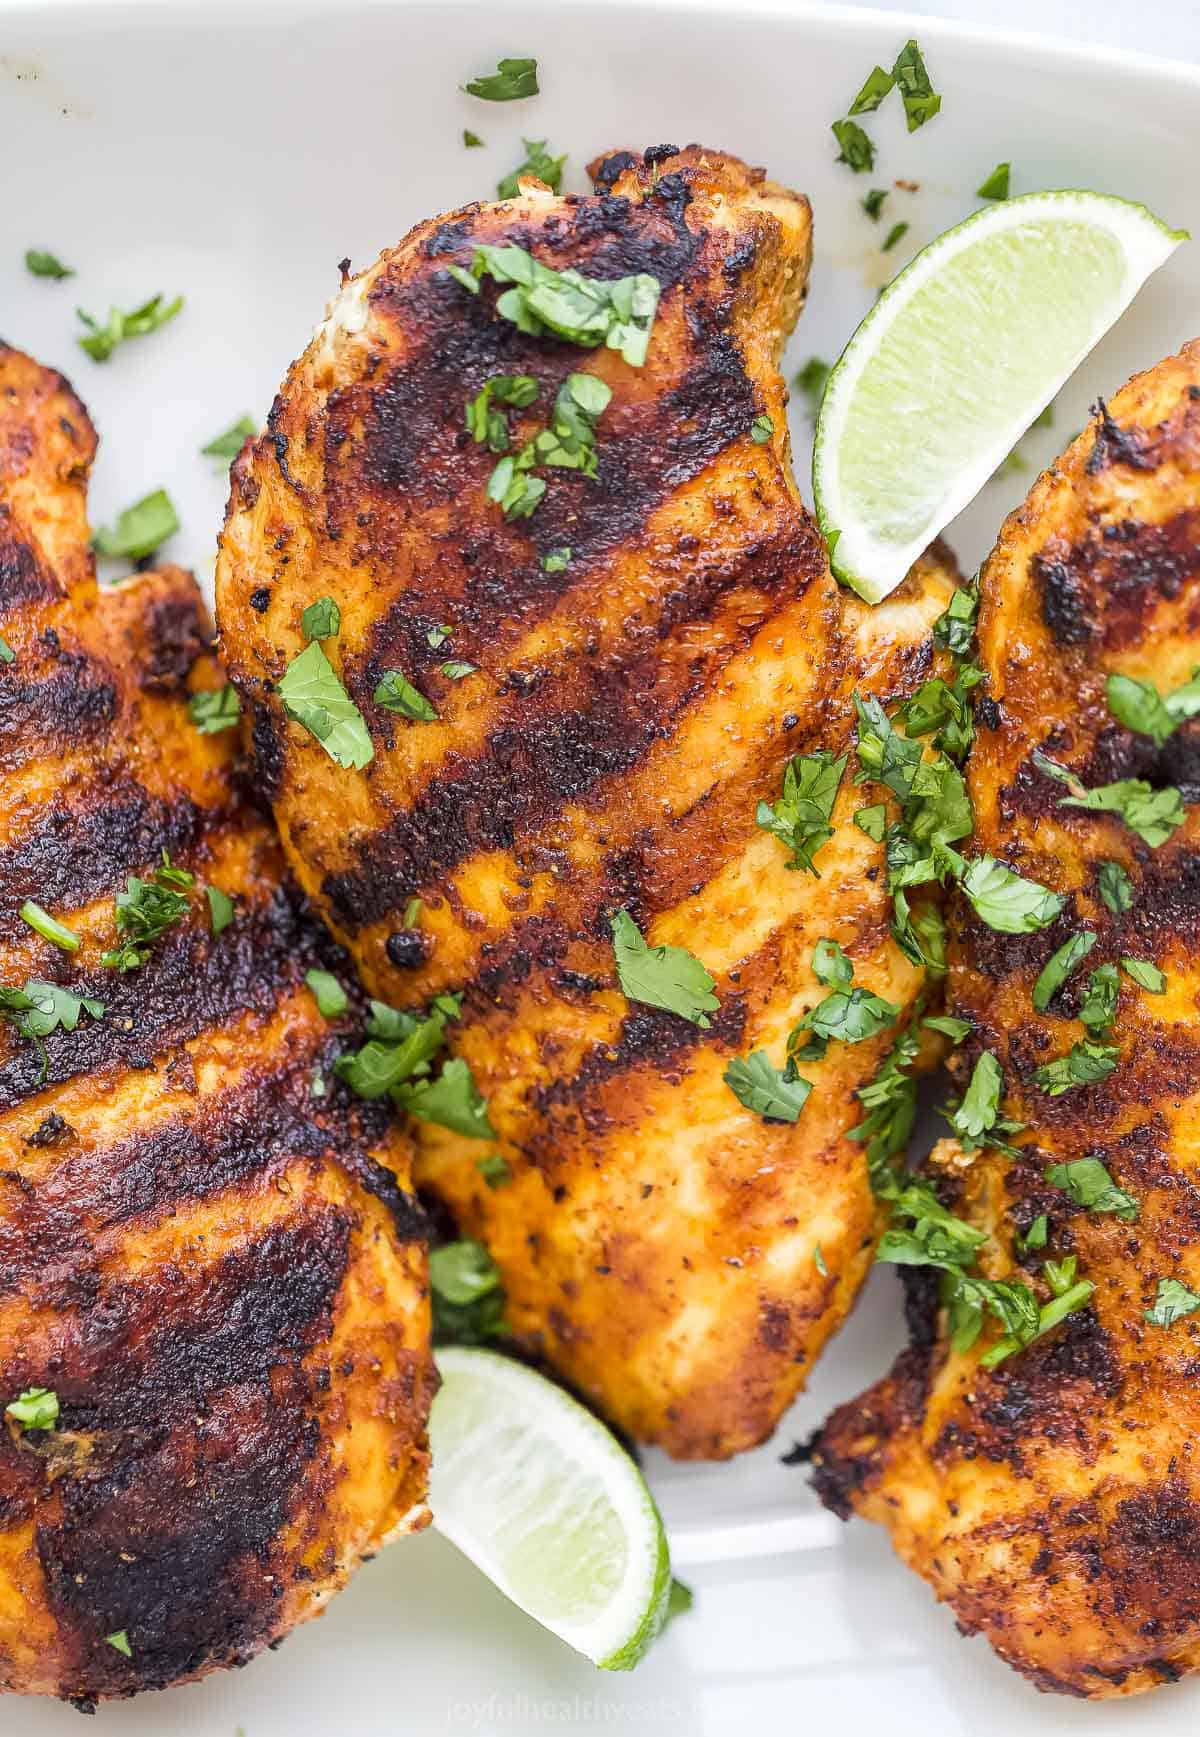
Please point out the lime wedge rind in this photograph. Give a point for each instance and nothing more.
(541, 1497)
(962, 351)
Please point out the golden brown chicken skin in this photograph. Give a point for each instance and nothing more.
(1054, 1501)
(630, 708)
(219, 1276)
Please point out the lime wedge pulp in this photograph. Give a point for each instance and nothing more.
(544, 1500)
(964, 348)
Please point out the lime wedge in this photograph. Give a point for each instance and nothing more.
(545, 1501)
(957, 357)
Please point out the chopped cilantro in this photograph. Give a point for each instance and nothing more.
(831, 965)
(996, 184)
(979, 1110)
(471, 140)
(875, 87)
(36, 1408)
(1139, 705)
(1146, 975)
(1172, 1301)
(811, 381)
(1089, 1185)
(452, 1100)
(120, 1643)
(145, 911)
(819, 1262)
(456, 669)
(40, 1008)
(215, 709)
(556, 561)
(513, 78)
(855, 148)
(42, 264)
(890, 1100)
(332, 1000)
(872, 203)
(539, 163)
(1098, 1007)
(140, 529)
(1152, 814)
(313, 696)
(395, 693)
(667, 977)
(1115, 887)
(494, 1168)
(921, 101)
(321, 620)
(850, 1016)
(467, 1294)
(570, 441)
(400, 1048)
(761, 430)
(775, 1095)
(1083, 1065)
(800, 818)
(514, 490)
(1036, 1236)
(49, 928)
(1059, 967)
(437, 636)
(7, 654)
(872, 821)
(489, 426)
(102, 340)
(229, 444)
(954, 629)
(955, 1029)
(895, 235)
(1007, 902)
(616, 312)
(220, 909)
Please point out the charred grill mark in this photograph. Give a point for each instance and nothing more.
(1117, 445)
(191, 984)
(74, 705)
(205, 1424)
(262, 1126)
(24, 578)
(79, 853)
(1107, 585)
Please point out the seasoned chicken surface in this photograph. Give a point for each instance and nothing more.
(216, 1276)
(1054, 1500)
(647, 649)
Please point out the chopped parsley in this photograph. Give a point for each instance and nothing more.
(1060, 966)
(119, 1641)
(229, 444)
(1007, 902)
(7, 654)
(467, 1294)
(488, 425)
(894, 235)
(215, 709)
(42, 264)
(761, 429)
(872, 203)
(145, 911)
(513, 79)
(1152, 814)
(1172, 1301)
(1089, 1185)
(102, 340)
(36, 1408)
(855, 148)
(670, 978)
(996, 184)
(1115, 887)
(313, 695)
(494, 1168)
(321, 620)
(1083, 1065)
(220, 909)
(775, 1095)
(1139, 705)
(921, 101)
(49, 928)
(538, 162)
(616, 312)
(395, 693)
(811, 381)
(875, 87)
(332, 1000)
(1146, 975)
(140, 529)
(800, 818)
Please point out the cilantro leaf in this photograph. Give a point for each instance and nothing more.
(977, 1114)
(471, 140)
(890, 1100)
(997, 183)
(48, 927)
(872, 821)
(955, 1029)
(776, 1095)
(570, 441)
(489, 426)
(556, 561)
(921, 101)
(855, 147)
(537, 162)
(831, 965)
(761, 430)
(800, 818)
(1059, 967)
(467, 1294)
(220, 909)
(811, 381)
(313, 695)
(513, 78)
(876, 86)
(1007, 902)
(102, 340)
(332, 1000)
(1139, 706)
(215, 709)
(1083, 1065)
(456, 670)
(119, 1641)
(895, 235)
(495, 1170)
(954, 629)
(667, 977)
(452, 1100)
(1098, 1007)
(7, 654)
(321, 620)
(616, 312)
(1146, 975)
(140, 529)
(1089, 1185)
(1172, 1301)
(872, 202)
(1153, 814)
(229, 444)
(40, 1008)
(36, 1408)
(42, 264)
(1115, 887)
(395, 693)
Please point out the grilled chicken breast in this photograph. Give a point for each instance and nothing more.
(1054, 1500)
(217, 1276)
(645, 652)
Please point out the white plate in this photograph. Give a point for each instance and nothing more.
(236, 153)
